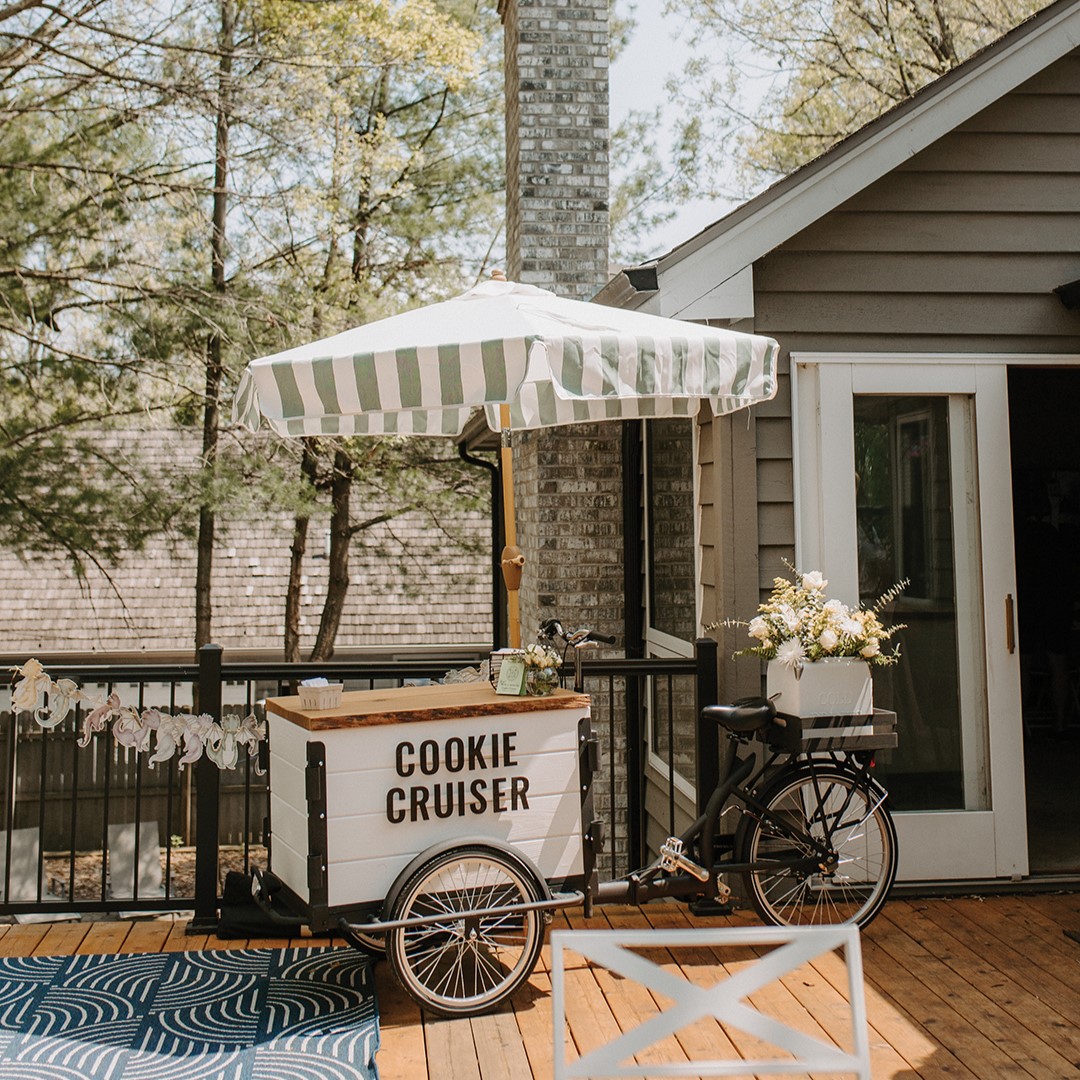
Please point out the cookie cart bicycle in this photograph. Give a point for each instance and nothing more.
(445, 824)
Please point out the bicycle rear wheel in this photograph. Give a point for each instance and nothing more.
(813, 808)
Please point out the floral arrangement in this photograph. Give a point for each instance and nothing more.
(542, 657)
(542, 665)
(51, 701)
(798, 625)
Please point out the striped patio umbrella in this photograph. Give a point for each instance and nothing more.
(529, 358)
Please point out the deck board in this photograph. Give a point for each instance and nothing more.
(956, 989)
(1013, 1049)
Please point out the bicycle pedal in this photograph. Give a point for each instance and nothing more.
(670, 853)
(672, 859)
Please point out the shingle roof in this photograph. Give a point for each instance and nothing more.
(674, 282)
(150, 606)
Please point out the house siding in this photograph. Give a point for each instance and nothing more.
(958, 250)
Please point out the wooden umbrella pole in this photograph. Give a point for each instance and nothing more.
(512, 558)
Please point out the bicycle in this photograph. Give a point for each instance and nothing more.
(462, 921)
(815, 843)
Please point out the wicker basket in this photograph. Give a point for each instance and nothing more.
(321, 697)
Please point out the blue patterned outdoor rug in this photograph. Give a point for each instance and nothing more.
(255, 1014)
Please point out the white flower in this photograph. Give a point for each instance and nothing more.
(828, 640)
(834, 608)
(814, 582)
(851, 627)
(872, 649)
(790, 653)
(540, 656)
(790, 619)
(757, 628)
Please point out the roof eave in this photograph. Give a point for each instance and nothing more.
(761, 224)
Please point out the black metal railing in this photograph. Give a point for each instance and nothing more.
(95, 828)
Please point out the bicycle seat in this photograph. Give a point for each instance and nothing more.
(743, 717)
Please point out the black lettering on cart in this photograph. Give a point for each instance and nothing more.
(519, 793)
(444, 799)
(479, 803)
(418, 803)
(429, 757)
(497, 803)
(395, 817)
(476, 752)
(455, 755)
(402, 769)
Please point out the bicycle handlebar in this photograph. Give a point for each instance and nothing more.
(552, 628)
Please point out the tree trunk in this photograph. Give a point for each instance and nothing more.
(296, 561)
(211, 408)
(340, 537)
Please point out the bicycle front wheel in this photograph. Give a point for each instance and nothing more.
(823, 811)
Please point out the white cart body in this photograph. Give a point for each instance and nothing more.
(357, 791)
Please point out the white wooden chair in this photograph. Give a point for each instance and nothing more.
(726, 1001)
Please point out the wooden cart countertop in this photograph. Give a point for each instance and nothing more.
(406, 704)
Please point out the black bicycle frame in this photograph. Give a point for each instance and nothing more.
(643, 885)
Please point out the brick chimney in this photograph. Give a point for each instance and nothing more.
(557, 144)
(568, 479)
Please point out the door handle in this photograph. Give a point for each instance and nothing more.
(1010, 624)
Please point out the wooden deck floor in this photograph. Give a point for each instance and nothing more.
(966, 989)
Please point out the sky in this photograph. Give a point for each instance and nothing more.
(637, 82)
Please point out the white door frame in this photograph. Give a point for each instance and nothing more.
(658, 642)
(934, 845)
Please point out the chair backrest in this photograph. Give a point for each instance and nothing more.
(787, 1048)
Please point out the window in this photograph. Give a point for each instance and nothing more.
(671, 588)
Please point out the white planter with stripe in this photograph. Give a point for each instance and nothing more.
(834, 686)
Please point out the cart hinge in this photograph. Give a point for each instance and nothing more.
(589, 747)
(313, 780)
(594, 835)
(593, 749)
(264, 755)
(266, 831)
(316, 874)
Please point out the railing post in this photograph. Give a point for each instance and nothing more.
(707, 690)
(633, 642)
(207, 780)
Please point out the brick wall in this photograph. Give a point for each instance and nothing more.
(557, 143)
(568, 481)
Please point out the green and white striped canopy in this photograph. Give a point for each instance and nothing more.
(554, 361)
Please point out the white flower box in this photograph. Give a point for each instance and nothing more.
(834, 686)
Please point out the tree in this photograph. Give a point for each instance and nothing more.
(827, 69)
(73, 172)
(405, 150)
(191, 183)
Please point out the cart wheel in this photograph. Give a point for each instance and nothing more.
(373, 945)
(464, 965)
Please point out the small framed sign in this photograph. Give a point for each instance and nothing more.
(511, 676)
